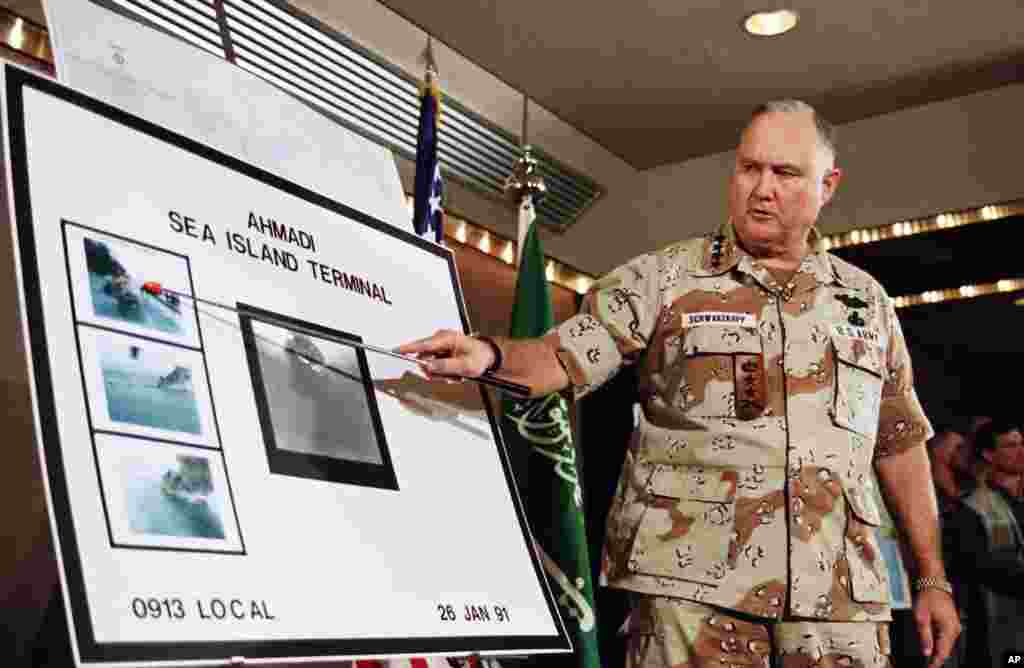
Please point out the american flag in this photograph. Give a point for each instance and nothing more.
(428, 216)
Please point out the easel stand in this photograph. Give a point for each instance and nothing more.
(51, 647)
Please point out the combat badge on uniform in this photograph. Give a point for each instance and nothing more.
(853, 302)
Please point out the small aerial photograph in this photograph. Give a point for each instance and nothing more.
(117, 294)
(148, 386)
(172, 497)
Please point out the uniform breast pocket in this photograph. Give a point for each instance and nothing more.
(723, 372)
(859, 378)
(687, 527)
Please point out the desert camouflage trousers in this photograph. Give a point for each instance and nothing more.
(674, 633)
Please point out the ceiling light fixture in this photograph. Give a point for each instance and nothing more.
(769, 24)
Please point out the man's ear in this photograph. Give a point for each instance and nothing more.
(829, 183)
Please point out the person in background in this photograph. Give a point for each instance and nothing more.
(963, 466)
(984, 545)
(949, 453)
(953, 472)
(977, 422)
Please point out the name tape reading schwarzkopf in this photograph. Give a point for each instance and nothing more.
(851, 332)
(720, 318)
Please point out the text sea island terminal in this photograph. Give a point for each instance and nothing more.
(282, 258)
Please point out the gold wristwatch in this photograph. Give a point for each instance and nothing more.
(932, 582)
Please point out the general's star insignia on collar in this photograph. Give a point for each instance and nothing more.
(852, 301)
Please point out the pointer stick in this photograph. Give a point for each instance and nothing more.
(522, 391)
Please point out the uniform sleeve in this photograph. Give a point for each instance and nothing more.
(902, 423)
(613, 326)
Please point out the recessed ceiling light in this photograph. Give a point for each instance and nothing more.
(769, 24)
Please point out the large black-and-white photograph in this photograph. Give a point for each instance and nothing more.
(146, 388)
(316, 401)
(129, 286)
(165, 495)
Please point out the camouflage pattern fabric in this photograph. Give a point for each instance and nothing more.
(748, 482)
(672, 633)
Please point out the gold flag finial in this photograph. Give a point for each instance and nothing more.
(525, 179)
(427, 58)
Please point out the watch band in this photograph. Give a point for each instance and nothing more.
(496, 364)
(933, 582)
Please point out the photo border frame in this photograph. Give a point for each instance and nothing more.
(125, 327)
(308, 465)
(107, 489)
(90, 362)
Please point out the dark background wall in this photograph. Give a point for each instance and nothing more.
(967, 358)
(966, 353)
(488, 285)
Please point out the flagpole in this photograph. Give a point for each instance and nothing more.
(526, 119)
(525, 186)
(541, 425)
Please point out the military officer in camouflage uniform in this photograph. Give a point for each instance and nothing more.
(774, 376)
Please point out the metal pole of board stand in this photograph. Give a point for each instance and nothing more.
(33, 625)
(51, 647)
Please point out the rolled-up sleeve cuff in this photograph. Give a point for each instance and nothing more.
(902, 425)
(587, 351)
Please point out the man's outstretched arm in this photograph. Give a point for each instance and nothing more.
(530, 362)
(615, 323)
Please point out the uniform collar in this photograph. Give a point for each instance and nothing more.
(721, 254)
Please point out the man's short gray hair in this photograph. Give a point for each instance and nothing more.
(826, 131)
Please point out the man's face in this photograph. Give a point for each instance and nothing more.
(955, 452)
(963, 462)
(944, 452)
(779, 182)
(1008, 455)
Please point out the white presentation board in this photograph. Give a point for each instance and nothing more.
(227, 476)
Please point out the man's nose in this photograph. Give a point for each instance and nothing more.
(764, 187)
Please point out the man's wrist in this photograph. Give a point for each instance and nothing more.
(929, 566)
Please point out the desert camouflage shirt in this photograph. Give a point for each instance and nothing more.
(747, 483)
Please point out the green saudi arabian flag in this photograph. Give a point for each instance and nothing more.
(554, 500)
